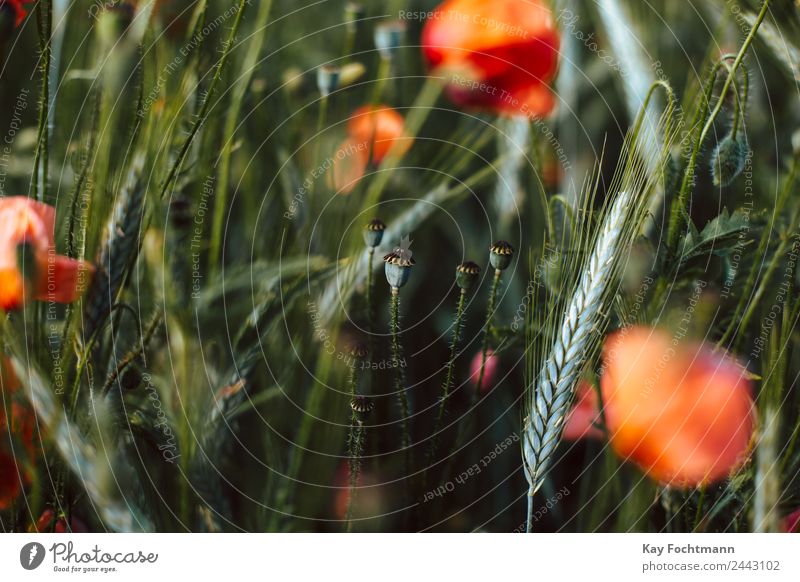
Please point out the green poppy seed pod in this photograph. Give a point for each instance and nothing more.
(328, 78)
(373, 232)
(353, 13)
(362, 406)
(500, 254)
(389, 37)
(358, 350)
(467, 275)
(398, 268)
(728, 159)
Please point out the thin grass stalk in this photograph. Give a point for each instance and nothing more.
(737, 322)
(232, 122)
(44, 23)
(202, 115)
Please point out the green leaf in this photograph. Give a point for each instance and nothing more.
(719, 237)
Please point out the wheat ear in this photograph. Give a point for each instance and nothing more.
(561, 370)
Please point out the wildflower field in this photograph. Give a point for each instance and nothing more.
(399, 266)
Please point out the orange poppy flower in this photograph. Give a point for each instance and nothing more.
(17, 7)
(499, 55)
(379, 128)
(370, 129)
(29, 265)
(680, 411)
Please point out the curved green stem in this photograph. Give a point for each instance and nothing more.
(688, 178)
(737, 321)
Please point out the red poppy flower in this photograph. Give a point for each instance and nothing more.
(682, 412)
(17, 7)
(29, 265)
(498, 55)
(582, 420)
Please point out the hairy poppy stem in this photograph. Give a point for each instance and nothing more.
(486, 330)
(399, 378)
(448, 382)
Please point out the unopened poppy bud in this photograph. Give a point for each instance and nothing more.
(728, 159)
(500, 255)
(398, 268)
(292, 80)
(114, 21)
(373, 232)
(353, 13)
(467, 275)
(350, 73)
(389, 37)
(328, 79)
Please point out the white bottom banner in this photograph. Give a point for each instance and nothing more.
(389, 557)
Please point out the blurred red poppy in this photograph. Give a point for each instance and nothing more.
(791, 523)
(45, 524)
(680, 411)
(17, 7)
(489, 372)
(29, 265)
(582, 420)
(498, 55)
(379, 128)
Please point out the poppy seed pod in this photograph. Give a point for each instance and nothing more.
(728, 159)
(358, 350)
(398, 268)
(389, 37)
(467, 275)
(362, 405)
(328, 78)
(353, 12)
(373, 232)
(500, 255)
